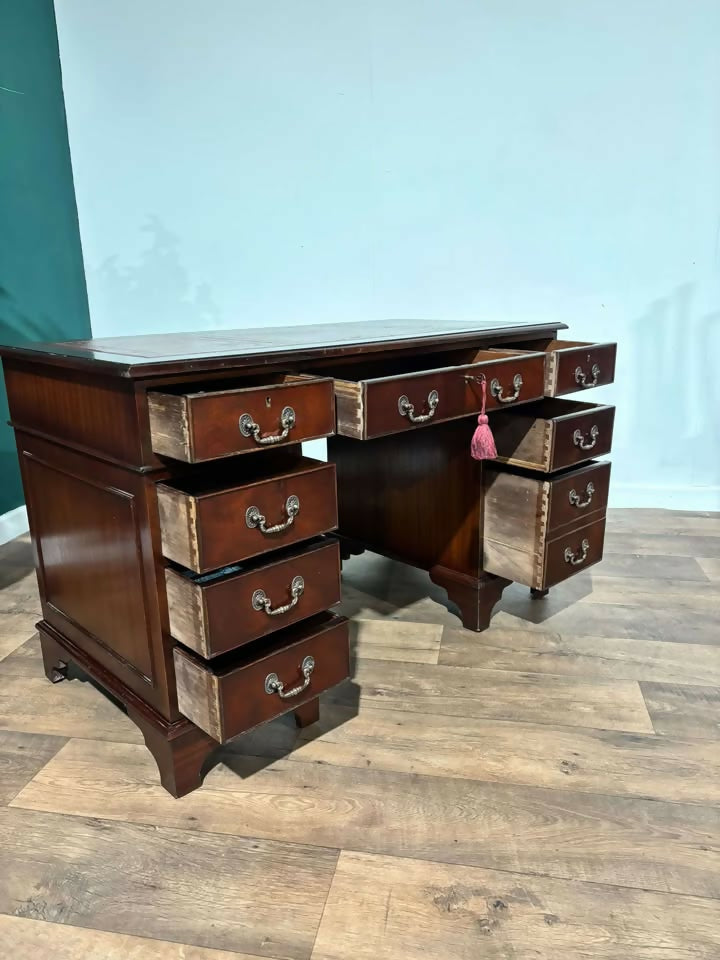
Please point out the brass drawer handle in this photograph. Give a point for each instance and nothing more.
(261, 601)
(581, 376)
(496, 389)
(248, 427)
(574, 496)
(579, 438)
(406, 409)
(273, 684)
(577, 559)
(255, 519)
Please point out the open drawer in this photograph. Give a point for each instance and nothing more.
(572, 365)
(204, 421)
(553, 434)
(539, 531)
(390, 396)
(263, 681)
(215, 612)
(209, 521)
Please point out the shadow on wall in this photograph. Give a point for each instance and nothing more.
(155, 293)
(668, 417)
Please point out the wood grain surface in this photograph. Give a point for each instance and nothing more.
(547, 789)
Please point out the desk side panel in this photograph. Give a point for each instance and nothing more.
(90, 414)
(96, 544)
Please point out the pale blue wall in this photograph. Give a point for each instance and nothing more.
(241, 163)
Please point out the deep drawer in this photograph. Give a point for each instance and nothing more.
(202, 422)
(227, 699)
(217, 612)
(553, 434)
(526, 517)
(207, 523)
(391, 396)
(572, 365)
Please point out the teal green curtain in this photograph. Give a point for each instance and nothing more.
(42, 283)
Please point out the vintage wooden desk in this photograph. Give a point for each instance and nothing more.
(184, 546)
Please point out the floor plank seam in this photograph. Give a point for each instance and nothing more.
(136, 936)
(364, 852)
(368, 705)
(325, 903)
(505, 783)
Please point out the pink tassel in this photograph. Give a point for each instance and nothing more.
(482, 446)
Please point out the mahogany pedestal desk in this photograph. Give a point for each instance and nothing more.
(186, 550)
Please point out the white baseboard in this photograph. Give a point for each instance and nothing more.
(13, 523)
(668, 497)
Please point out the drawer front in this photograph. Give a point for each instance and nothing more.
(552, 434)
(197, 426)
(581, 436)
(578, 494)
(377, 407)
(303, 661)
(526, 516)
(217, 613)
(578, 366)
(571, 552)
(206, 531)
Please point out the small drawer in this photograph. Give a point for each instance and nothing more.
(526, 517)
(577, 493)
(216, 612)
(572, 551)
(553, 434)
(196, 422)
(391, 396)
(572, 365)
(207, 522)
(228, 698)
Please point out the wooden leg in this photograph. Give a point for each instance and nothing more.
(475, 597)
(180, 748)
(349, 548)
(538, 594)
(55, 659)
(308, 713)
(180, 752)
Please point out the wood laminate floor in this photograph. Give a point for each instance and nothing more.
(546, 790)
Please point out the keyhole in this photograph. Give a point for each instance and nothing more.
(268, 402)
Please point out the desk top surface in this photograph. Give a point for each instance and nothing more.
(171, 353)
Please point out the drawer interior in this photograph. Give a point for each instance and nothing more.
(552, 408)
(264, 648)
(232, 570)
(545, 345)
(198, 388)
(405, 366)
(229, 475)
